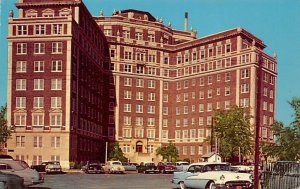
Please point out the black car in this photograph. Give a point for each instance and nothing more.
(147, 168)
(93, 167)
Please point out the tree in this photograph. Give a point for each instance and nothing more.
(5, 132)
(116, 153)
(169, 152)
(287, 142)
(232, 129)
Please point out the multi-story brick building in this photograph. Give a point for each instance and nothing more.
(168, 83)
(160, 85)
(57, 81)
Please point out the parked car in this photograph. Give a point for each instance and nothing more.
(52, 167)
(93, 167)
(148, 167)
(181, 165)
(130, 166)
(113, 167)
(10, 181)
(166, 167)
(209, 175)
(20, 168)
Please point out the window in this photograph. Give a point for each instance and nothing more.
(127, 68)
(127, 94)
(200, 150)
(151, 121)
(185, 96)
(140, 69)
(20, 119)
(244, 102)
(228, 48)
(209, 80)
(227, 105)
(55, 158)
(139, 121)
(194, 56)
(40, 29)
(228, 62)
(219, 64)
(56, 66)
(127, 55)
(127, 81)
(227, 91)
(179, 59)
(20, 141)
(178, 98)
(20, 84)
(165, 122)
(38, 66)
(201, 121)
(20, 102)
(22, 30)
(151, 58)
(126, 148)
(139, 108)
(126, 34)
(127, 120)
(151, 109)
(177, 135)
(140, 56)
(151, 37)
(39, 48)
(219, 50)
(165, 98)
(57, 29)
(151, 97)
(37, 160)
(265, 91)
(245, 88)
(186, 58)
(22, 48)
(151, 133)
(166, 60)
(139, 82)
(37, 142)
(177, 110)
(209, 93)
(210, 52)
(57, 47)
(201, 107)
(127, 132)
(209, 107)
(165, 85)
(21, 66)
(202, 54)
(227, 76)
(55, 119)
(139, 95)
(201, 81)
(56, 84)
(139, 36)
(107, 32)
(151, 71)
(245, 73)
(55, 102)
(185, 109)
(127, 107)
(265, 105)
(178, 85)
(245, 58)
(151, 84)
(139, 133)
(111, 106)
(38, 102)
(271, 94)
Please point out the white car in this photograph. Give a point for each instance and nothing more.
(210, 175)
(113, 167)
(20, 168)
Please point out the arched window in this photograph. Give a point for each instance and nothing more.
(139, 146)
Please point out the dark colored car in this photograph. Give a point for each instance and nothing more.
(147, 168)
(10, 181)
(166, 167)
(93, 167)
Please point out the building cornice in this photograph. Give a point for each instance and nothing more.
(47, 4)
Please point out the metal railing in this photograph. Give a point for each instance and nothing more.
(281, 175)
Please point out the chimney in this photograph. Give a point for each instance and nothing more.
(185, 21)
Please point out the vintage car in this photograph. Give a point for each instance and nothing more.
(210, 175)
(10, 181)
(20, 168)
(130, 166)
(147, 167)
(93, 167)
(113, 167)
(181, 165)
(166, 167)
(52, 167)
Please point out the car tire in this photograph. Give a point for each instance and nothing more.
(210, 185)
(182, 185)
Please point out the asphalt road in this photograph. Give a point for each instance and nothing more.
(106, 181)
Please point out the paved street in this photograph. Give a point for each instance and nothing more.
(106, 181)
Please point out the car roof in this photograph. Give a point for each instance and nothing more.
(210, 163)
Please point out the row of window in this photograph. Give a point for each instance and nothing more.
(38, 142)
(40, 48)
(40, 29)
(38, 102)
(38, 84)
(37, 159)
(38, 66)
(38, 119)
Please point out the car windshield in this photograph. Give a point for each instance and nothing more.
(53, 162)
(116, 163)
(183, 163)
(24, 164)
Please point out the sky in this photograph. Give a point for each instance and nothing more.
(276, 22)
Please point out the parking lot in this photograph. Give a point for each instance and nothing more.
(106, 181)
